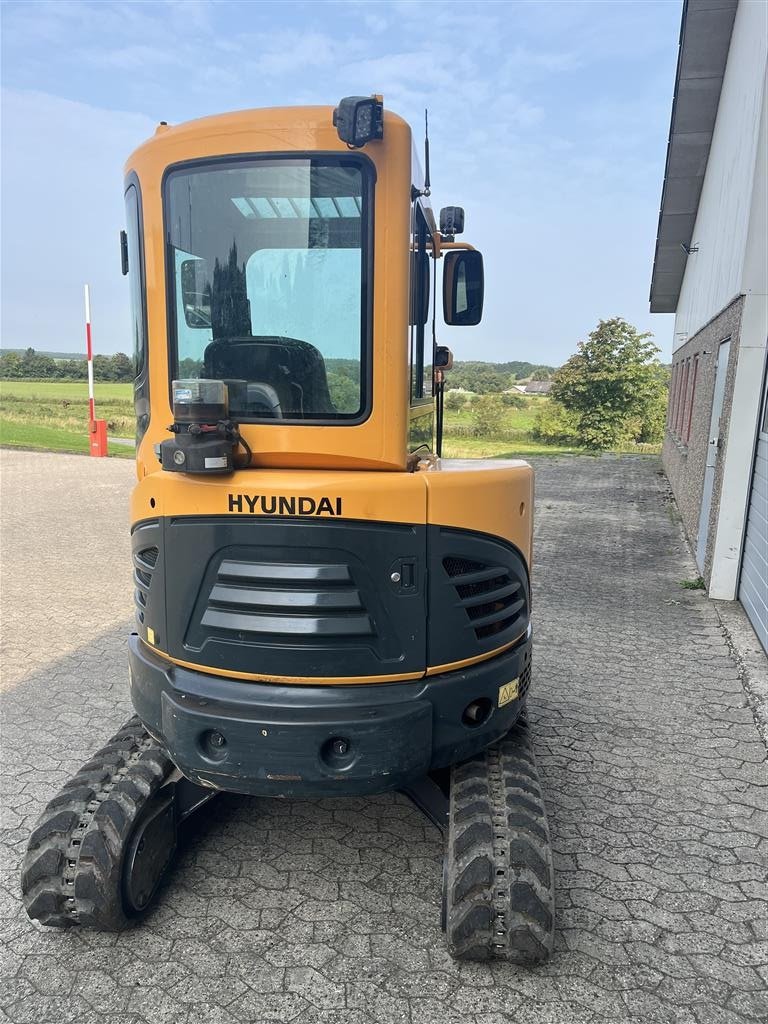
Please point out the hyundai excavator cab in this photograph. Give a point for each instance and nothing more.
(324, 605)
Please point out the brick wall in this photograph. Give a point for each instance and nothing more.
(688, 419)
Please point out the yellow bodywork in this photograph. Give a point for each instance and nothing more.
(363, 465)
(381, 441)
(488, 496)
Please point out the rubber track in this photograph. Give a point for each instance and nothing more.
(499, 875)
(72, 872)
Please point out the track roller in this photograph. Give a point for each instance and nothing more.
(102, 845)
(498, 879)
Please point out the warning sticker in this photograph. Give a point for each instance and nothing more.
(509, 692)
(151, 635)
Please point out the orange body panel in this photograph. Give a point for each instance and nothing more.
(302, 464)
(493, 497)
(381, 441)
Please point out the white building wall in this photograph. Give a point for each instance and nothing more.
(747, 385)
(716, 273)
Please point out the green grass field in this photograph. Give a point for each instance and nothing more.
(54, 414)
(487, 448)
(514, 440)
(76, 390)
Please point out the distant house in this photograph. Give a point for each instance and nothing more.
(538, 387)
(710, 271)
(516, 389)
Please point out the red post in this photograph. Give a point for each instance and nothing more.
(97, 429)
(98, 436)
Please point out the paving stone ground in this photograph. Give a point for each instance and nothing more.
(327, 911)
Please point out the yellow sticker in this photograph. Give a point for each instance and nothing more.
(509, 692)
(150, 634)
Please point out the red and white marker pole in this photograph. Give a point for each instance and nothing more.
(97, 429)
(89, 353)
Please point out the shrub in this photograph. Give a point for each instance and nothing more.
(554, 424)
(455, 400)
(488, 415)
(513, 400)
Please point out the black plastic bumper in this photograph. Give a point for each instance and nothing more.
(288, 740)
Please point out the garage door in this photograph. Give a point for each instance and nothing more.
(753, 583)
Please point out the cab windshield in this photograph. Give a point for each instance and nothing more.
(268, 268)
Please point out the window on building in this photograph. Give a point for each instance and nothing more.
(672, 399)
(675, 418)
(682, 404)
(692, 398)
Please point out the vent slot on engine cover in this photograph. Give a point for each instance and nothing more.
(492, 599)
(144, 562)
(278, 599)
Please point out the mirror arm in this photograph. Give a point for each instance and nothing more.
(439, 244)
(458, 245)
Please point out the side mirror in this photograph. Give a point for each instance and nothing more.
(195, 293)
(463, 286)
(443, 358)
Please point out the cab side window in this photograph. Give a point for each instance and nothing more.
(421, 387)
(135, 279)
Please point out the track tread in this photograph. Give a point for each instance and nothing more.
(72, 870)
(499, 877)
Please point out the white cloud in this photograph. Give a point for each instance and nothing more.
(528, 128)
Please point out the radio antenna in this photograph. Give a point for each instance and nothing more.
(426, 153)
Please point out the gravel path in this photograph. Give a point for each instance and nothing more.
(329, 911)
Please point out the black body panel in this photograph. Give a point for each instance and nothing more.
(317, 598)
(479, 595)
(283, 740)
(148, 553)
(295, 597)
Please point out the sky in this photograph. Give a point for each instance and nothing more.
(548, 124)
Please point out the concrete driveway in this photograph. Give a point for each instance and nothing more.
(329, 911)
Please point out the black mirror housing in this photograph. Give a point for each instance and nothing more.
(359, 119)
(443, 358)
(451, 221)
(463, 288)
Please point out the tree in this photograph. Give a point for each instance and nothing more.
(455, 400)
(71, 369)
(345, 393)
(103, 368)
(230, 312)
(36, 366)
(612, 384)
(488, 415)
(653, 416)
(122, 366)
(555, 425)
(513, 400)
(11, 366)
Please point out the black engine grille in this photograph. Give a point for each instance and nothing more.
(491, 598)
(144, 562)
(280, 599)
(525, 677)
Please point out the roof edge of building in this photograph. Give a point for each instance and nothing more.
(705, 38)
